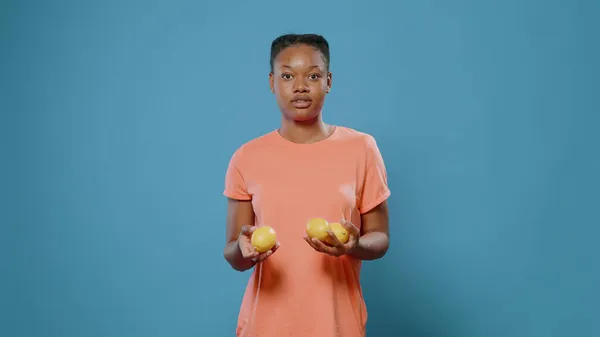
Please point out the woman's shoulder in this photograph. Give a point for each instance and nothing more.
(256, 144)
(351, 135)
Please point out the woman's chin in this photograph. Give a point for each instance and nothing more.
(303, 116)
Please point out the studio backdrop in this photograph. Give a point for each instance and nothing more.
(119, 118)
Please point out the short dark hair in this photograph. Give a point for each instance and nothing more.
(316, 41)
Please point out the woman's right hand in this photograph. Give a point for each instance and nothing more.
(248, 251)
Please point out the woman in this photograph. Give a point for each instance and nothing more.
(305, 169)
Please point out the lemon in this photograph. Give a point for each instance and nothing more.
(340, 232)
(263, 239)
(316, 228)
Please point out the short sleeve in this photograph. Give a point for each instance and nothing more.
(235, 186)
(375, 188)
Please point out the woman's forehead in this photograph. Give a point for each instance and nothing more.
(300, 56)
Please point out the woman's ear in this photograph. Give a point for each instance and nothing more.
(272, 82)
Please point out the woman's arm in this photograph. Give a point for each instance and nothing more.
(374, 240)
(239, 213)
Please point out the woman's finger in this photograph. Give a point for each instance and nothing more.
(350, 227)
(314, 243)
(249, 252)
(247, 230)
(310, 243)
(322, 247)
(334, 240)
(263, 256)
(277, 244)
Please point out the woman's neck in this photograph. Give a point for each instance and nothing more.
(305, 132)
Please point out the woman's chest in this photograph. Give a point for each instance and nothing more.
(300, 189)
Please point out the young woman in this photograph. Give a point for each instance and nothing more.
(305, 169)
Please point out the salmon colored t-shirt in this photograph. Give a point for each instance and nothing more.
(299, 292)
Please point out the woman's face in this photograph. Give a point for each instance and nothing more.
(300, 80)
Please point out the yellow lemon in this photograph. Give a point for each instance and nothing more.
(340, 232)
(316, 228)
(263, 239)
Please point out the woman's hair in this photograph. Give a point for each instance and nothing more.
(316, 41)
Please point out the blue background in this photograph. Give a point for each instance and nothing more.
(119, 117)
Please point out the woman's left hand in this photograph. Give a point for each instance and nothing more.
(337, 248)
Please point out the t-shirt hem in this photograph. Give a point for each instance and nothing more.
(237, 196)
(376, 202)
